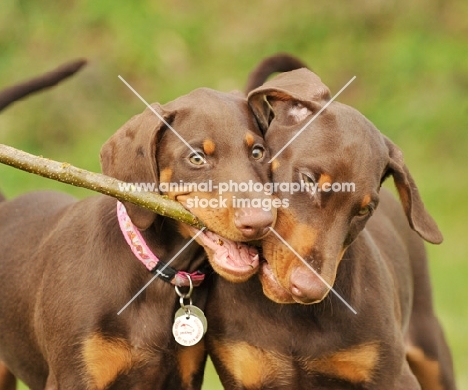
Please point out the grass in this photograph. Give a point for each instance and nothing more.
(410, 61)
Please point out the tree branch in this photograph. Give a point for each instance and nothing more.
(69, 174)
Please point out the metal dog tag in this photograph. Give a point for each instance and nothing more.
(190, 323)
(193, 311)
(188, 329)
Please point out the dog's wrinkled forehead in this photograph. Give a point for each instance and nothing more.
(341, 132)
(212, 111)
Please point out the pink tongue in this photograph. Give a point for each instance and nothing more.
(230, 255)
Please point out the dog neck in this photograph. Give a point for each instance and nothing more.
(143, 253)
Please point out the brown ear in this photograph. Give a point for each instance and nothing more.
(130, 155)
(299, 89)
(418, 217)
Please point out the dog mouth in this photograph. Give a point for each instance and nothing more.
(271, 287)
(236, 259)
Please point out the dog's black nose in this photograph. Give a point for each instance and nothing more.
(253, 222)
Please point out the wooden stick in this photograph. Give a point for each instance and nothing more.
(69, 174)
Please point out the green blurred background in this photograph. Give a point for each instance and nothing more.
(410, 59)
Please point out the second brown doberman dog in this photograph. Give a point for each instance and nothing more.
(10, 95)
(66, 268)
(377, 328)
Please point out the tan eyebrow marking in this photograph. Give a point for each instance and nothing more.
(209, 147)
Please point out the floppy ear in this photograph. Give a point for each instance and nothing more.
(418, 217)
(130, 155)
(289, 97)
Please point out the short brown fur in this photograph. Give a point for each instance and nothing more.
(105, 359)
(66, 269)
(426, 370)
(375, 259)
(355, 365)
(190, 359)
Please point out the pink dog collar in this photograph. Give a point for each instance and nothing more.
(143, 253)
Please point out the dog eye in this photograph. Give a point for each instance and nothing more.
(307, 178)
(197, 158)
(258, 152)
(365, 210)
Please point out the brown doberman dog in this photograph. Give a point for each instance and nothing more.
(67, 267)
(376, 329)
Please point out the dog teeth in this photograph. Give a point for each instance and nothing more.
(255, 258)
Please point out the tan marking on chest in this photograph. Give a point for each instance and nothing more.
(355, 365)
(191, 361)
(427, 371)
(249, 139)
(104, 359)
(209, 147)
(253, 367)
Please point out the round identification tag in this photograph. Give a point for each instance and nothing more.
(194, 311)
(187, 331)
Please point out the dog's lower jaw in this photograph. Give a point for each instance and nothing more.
(271, 288)
(234, 277)
(235, 261)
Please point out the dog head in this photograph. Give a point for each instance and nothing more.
(340, 159)
(195, 151)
